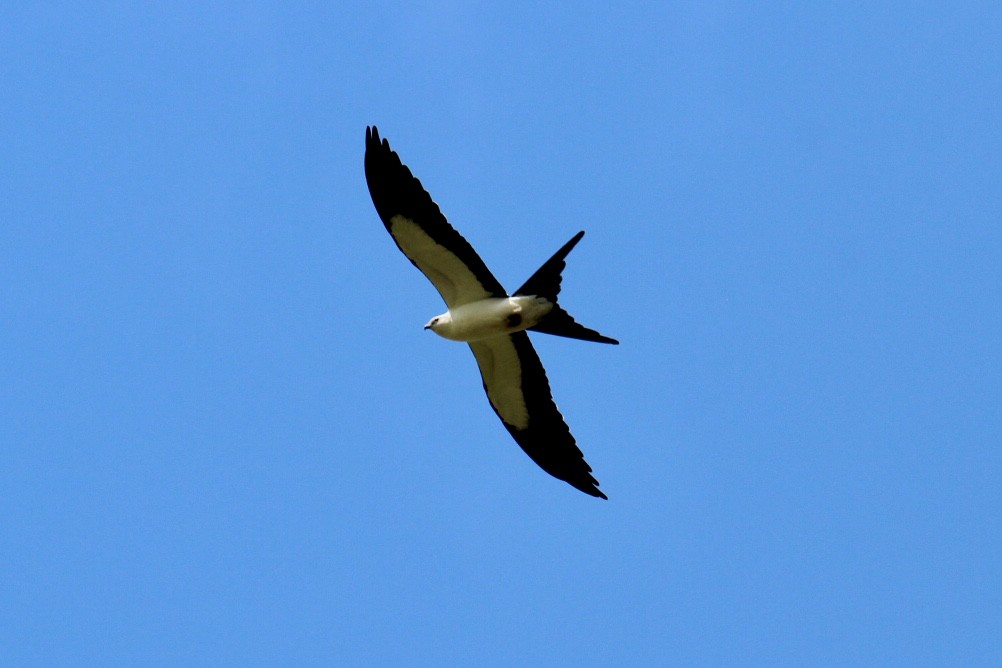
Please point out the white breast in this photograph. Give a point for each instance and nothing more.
(491, 317)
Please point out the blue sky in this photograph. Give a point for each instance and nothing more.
(227, 440)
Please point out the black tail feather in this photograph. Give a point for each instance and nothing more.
(546, 283)
(559, 323)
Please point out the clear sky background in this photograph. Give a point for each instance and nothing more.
(226, 439)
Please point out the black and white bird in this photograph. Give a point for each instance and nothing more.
(481, 313)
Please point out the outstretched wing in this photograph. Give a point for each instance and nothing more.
(421, 231)
(519, 393)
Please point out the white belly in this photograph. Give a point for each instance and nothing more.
(491, 317)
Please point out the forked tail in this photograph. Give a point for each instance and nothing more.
(546, 283)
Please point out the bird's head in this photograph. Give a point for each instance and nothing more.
(437, 323)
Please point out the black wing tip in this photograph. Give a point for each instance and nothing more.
(584, 482)
(372, 138)
(593, 491)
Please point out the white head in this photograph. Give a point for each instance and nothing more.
(440, 323)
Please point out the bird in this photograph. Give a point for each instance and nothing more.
(482, 314)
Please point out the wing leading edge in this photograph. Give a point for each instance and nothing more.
(420, 230)
(519, 393)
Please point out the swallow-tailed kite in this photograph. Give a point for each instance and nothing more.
(482, 314)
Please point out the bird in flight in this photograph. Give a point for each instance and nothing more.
(481, 313)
